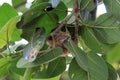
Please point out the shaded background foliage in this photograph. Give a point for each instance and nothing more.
(92, 44)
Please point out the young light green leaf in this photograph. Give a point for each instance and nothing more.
(113, 55)
(80, 55)
(97, 68)
(42, 58)
(4, 65)
(7, 31)
(76, 72)
(6, 13)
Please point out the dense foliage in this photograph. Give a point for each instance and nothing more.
(68, 42)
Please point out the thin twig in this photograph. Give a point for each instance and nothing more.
(77, 15)
(62, 24)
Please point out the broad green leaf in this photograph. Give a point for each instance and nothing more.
(48, 21)
(6, 13)
(113, 7)
(113, 55)
(31, 50)
(69, 3)
(76, 72)
(37, 2)
(7, 32)
(4, 65)
(13, 68)
(79, 54)
(112, 72)
(16, 3)
(31, 14)
(90, 40)
(97, 67)
(107, 29)
(20, 5)
(55, 68)
(55, 78)
(42, 58)
(60, 11)
(87, 5)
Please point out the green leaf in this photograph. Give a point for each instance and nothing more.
(31, 50)
(112, 72)
(16, 3)
(4, 65)
(48, 21)
(6, 13)
(69, 3)
(20, 5)
(113, 7)
(60, 11)
(13, 68)
(90, 40)
(31, 14)
(113, 55)
(76, 72)
(37, 2)
(97, 67)
(56, 67)
(7, 32)
(107, 29)
(80, 55)
(42, 58)
(87, 5)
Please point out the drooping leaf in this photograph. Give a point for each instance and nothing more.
(97, 67)
(6, 13)
(32, 49)
(80, 55)
(42, 58)
(7, 32)
(76, 72)
(4, 65)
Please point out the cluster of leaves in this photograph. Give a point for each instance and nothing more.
(97, 35)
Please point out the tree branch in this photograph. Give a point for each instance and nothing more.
(77, 15)
(62, 24)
